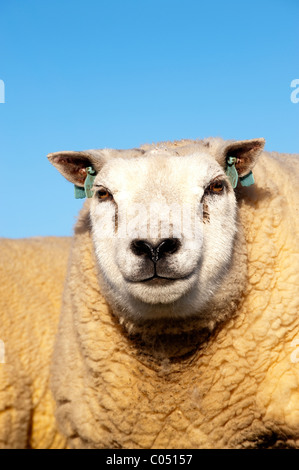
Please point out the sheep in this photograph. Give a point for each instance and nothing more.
(32, 273)
(2, 351)
(178, 339)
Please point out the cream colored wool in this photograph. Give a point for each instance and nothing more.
(161, 384)
(32, 274)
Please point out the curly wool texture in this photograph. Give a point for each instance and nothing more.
(32, 274)
(234, 387)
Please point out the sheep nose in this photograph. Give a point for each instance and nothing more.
(164, 247)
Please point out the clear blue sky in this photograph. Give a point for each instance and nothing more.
(119, 73)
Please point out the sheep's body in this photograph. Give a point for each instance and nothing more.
(120, 386)
(32, 275)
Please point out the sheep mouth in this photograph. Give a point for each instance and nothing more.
(159, 280)
(162, 280)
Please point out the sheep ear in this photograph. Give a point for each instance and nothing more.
(245, 154)
(72, 165)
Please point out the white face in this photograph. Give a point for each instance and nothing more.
(163, 233)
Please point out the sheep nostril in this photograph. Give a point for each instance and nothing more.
(141, 247)
(166, 246)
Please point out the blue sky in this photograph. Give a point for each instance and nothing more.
(119, 73)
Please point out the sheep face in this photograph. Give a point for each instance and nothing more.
(164, 223)
(163, 229)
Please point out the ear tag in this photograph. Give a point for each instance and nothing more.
(88, 183)
(81, 193)
(231, 171)
(247, 180)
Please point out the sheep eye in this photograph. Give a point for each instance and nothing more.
(215, 187)
(103, 194)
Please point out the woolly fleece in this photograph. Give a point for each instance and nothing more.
(32, 273)
(234, 387)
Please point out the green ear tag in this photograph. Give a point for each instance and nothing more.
(88, 184)
(247, 180)
(79, 192)
(231, 171)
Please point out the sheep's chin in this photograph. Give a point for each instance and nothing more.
(160, 291)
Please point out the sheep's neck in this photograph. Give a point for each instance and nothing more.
(182, 339)
(175, 340)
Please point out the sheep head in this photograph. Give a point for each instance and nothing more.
(164, 223)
